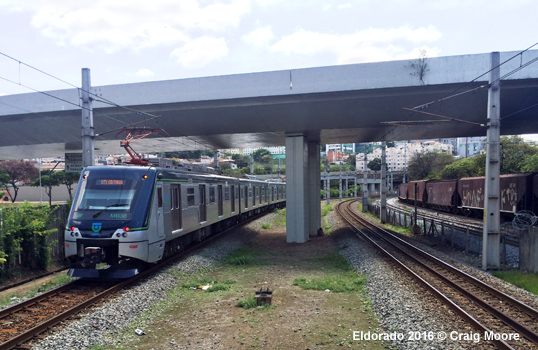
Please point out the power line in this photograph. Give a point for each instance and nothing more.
(453, 93)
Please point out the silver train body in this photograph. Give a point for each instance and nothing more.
(126, 215)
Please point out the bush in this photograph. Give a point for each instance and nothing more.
(25, 231)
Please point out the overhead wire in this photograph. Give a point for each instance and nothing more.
(94, 98)
(453, 93)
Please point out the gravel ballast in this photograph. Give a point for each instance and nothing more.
(399, 304)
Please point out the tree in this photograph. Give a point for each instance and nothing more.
(260, 153)
(68, 179)
(466, 167)
(241, 160)
(48, 180)
(514, 150)
(19, 172)
(428, 165)
(530, 164)
(351, 160)
(374, 164)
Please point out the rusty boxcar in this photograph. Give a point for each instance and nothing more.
(442, 195)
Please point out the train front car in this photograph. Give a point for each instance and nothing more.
(108, 222)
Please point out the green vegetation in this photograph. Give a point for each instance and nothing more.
(214, 286)
(53, 282)
(527, 281)
(517, 156)
(266, 226)
(280, 219)
(25, 234)
(241, 256)
(345, 281)
(248, 303)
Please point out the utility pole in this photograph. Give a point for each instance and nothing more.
(383, 214)
(340, 181)
(492, 221)
(327, 183)
(365, 182)
(88, 156)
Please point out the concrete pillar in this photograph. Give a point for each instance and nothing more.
(314, 171)
(299, 207)
(491, 237)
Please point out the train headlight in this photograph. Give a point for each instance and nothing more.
(72, 234)
(76, 234)
(118, 234)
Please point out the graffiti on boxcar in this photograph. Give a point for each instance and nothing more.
(509, 196)
(473, 198)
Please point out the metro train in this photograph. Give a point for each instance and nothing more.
(518, 192)
(128, 216)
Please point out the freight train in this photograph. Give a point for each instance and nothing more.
(465, 196)
(127, 216)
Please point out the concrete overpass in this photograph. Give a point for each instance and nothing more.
(300, 108)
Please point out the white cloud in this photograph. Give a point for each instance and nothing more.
(344, 6)
(259, 36)
(201, 51)
(134, 24)
(372, 44)
(144, 72)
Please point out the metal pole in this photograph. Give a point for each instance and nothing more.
(365, 182)
(383, 213)
(340, 182)
(328, 183)
(492, 221)
(88, 155)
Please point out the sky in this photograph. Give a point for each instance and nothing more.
(128, 41)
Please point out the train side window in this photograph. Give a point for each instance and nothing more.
(226, 193)
(190, 197)
(212, 194)
(177, 197)
(160, 197)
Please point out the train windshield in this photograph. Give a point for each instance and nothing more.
(110, 198)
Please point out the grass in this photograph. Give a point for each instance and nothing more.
(326, 209)
(241, 256)
(248, 303)
(345, 281)
(527, 281)
(53, 282)
(266, 226)
(280, 219)
(215, 286)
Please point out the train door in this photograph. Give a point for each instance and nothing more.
(203, 205)
(162, 208)
(246, 197)
(232, 204)
(175, 206)
(219, 199)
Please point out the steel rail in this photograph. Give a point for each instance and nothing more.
(438, 294)
(527, 333)
(17, 341)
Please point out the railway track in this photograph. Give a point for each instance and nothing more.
(473, 226)
(24, 322)
(495, 315)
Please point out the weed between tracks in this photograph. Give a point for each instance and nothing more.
(228, 318)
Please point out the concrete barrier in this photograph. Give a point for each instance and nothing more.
(528, 250)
